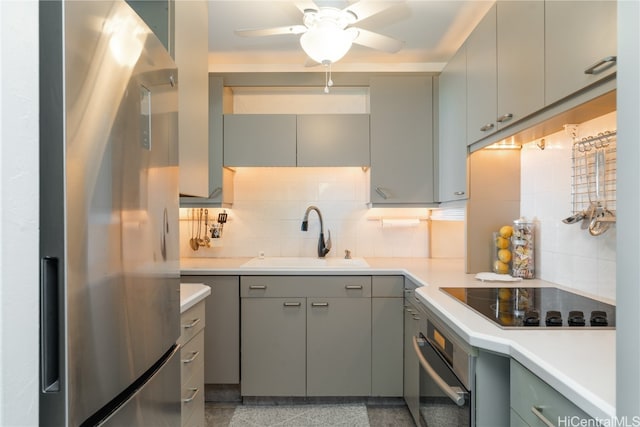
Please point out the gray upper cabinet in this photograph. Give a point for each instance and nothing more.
(333, 140)
(580, 44)
(452, 140)
(505, 74)
(520, 42)
(401, 140)
(482, 78)
(260, 140)
(214, 180)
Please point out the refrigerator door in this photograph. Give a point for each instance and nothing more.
(109, 206)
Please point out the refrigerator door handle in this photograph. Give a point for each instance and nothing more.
(49, 325)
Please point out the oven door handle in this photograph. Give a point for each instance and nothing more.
(454, 393)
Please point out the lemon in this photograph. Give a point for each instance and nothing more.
(500, 267)
(506, 231)
(502, 243)
(504, 255)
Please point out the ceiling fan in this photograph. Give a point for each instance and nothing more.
(327, 32)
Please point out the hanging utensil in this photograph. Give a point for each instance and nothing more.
(602, 218)
(193, 242)
(206, 227)
(591, 210)
(222, 217)
(199, 235)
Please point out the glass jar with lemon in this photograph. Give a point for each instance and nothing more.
(502, 255)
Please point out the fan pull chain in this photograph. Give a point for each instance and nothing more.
(328, 82)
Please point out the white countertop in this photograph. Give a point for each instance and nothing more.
(580, 364)
(191, 294)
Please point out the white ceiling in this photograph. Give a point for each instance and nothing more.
(432, 31)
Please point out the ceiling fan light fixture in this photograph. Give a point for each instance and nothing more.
(327, 43)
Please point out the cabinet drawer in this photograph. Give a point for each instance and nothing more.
(191, 322)
(387, 286)
(530, 394)
(193, 399)
(192, 357)
(305, 286)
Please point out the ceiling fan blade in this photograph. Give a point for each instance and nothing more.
(377, 41)
(366, 8)
(304, 5)
(258, 32)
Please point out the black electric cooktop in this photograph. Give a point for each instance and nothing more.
(536, 307)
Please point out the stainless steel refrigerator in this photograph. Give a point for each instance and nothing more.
(108, 219)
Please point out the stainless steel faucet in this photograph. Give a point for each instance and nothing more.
(323, 247)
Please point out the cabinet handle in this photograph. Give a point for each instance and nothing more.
(487, 127)
(504, 118)
(215, 193)
(381, 193)
(456, 394)
(602, 65)
(292, 304)
(415, 317)
(194, 393)
(257, 287)
(537, 411)
(193, 323)
(353, 287)
(458, 193)
(319, 304)
(193, 357)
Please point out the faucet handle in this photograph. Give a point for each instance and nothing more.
(328, 244)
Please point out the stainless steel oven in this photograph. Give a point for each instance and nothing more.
(443, 394)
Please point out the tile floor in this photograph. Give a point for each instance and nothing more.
(300, 415)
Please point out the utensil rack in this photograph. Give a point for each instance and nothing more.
(583, 179)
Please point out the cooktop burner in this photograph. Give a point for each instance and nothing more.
(536, 307)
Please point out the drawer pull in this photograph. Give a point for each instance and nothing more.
(504, 118)
(353, 287)
(193, 323)
(193, 357)
(602, 65)
(257, 287)
(458, 193)
(292, 304)
(537, 411)
(194, 393)
(319, 304)
(487, 127)
(381, 193)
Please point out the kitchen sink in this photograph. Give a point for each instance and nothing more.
(304, 263)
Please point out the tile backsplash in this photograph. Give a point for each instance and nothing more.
(565, 254)
(270, 203)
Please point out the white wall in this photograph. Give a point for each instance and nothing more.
(270, 203)
(19, 213)
(565, 254)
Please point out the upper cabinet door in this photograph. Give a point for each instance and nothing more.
(580, 44)
(452, 140)
(259, 140)
(402, 140)
(333, 140)
(191, 56)
(482, 78)
(520, 41)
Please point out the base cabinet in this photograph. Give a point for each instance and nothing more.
(273, 347)
(306, 335)
(338, 346)
(536, 403)
(222, 336)
(192, 353)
